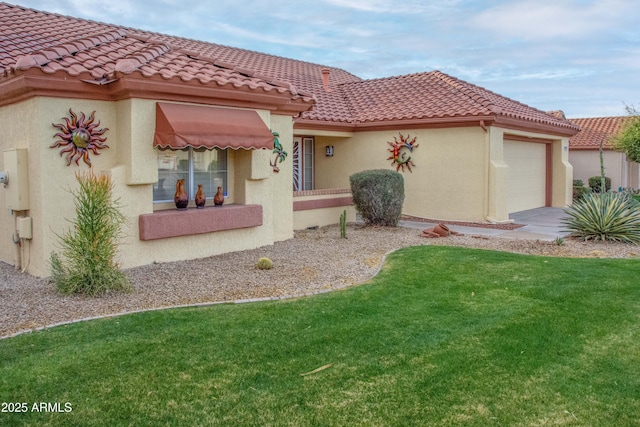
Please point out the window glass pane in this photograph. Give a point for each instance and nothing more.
(172, 166)
(210, 170)
(208, 167)
(308, 164)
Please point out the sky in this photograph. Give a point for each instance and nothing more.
(579, 56)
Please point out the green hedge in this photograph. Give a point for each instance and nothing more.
(595, 181)
(378, 195)
(579, 190)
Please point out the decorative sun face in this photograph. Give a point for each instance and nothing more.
(79, 137)
(401, 152)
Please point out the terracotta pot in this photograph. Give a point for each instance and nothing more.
(441, 230)
(181, 199)
(218, 199)
(201, 198)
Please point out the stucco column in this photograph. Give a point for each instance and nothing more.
(497, 177)
(562, 189)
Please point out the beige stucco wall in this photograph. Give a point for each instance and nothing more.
(14, 134)
(562, 191)
(323, 216)
(28, 125)
(459, 174)
(586, 163)
(132, 164)
(431, 190)
(497, 177)
(281, 183)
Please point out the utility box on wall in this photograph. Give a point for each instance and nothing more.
(24, 227)
(17, 186)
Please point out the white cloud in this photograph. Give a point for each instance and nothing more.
(578, 55)
(311, 41)
(395, 7)
(533, 19)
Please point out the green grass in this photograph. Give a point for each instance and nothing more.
(441, 337)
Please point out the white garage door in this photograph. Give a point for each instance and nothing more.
(527, 163)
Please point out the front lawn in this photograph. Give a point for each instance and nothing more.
(441, 337)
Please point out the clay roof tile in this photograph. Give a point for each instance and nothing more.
(104, 48)
(595, 130)
(127, 65)
(27, 61)
(75, 69)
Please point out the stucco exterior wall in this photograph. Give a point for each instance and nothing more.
(497, 177)
(448, 181)
(319, 208)
(17, 130)
(459, 174)
(281, 195)
(322, 217)
(586, 163)
(562, 191)
(132, 164)
(29, 125)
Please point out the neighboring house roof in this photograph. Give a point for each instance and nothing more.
(118, 60)
(595, 130)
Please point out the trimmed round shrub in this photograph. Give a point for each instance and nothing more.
(378, 196)
(595, 181)
(264, 264)
(605, 216)
(579, 190)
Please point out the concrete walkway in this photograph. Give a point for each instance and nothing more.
(539, 224)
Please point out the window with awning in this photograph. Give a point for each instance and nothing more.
(180, 126)
(192, 143)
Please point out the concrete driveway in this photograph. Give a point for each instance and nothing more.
(539, 224)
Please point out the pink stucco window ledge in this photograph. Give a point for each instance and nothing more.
(175, 223)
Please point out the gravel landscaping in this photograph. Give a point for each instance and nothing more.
(312, 262)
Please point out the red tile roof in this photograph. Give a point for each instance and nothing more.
(595, 130)
(101, 53)
(434, 95)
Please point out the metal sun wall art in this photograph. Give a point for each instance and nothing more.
(79, 136)
(279, 152)
(401, 152)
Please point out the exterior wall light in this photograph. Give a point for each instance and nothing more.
(328, 150)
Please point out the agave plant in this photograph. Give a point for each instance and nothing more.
(605, 216)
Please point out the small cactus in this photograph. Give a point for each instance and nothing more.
(343, 224)
(264, 264)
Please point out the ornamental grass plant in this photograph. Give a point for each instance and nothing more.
(87, 261)
(605, 216)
